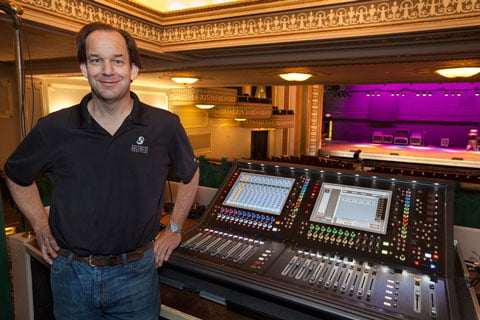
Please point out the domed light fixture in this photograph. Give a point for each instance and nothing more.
(295, 76)
(184, 80)
(205, 106)
(463, 72)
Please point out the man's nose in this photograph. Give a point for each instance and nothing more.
(108, 67)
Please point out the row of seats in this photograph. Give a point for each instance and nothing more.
(328, 162)
(447, 173)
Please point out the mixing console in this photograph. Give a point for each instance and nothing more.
(354, 245)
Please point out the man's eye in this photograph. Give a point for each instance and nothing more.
(94, 60)
(118, 61)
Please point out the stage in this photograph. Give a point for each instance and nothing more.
(429, 155)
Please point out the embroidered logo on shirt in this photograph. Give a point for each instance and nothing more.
(138, 148)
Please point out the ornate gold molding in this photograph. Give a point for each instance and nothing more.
(242, 110)
(321, 22)
(351, 16)
(193, 96)
(6, 96)
(277, 122)
(313, 126)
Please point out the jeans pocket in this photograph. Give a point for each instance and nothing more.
(144, 264)
(59, 265)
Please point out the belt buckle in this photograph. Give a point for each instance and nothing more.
(110, 260)
(90, 257)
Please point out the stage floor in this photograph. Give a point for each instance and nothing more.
(409, 154)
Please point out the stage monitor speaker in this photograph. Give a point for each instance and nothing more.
(377, 137)
(416, 139)
(400, 140)
(387, 139)
(401, 137)
(445, 142)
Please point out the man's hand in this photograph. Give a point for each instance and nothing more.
(28, 201)
(47, 243)
(165, 242)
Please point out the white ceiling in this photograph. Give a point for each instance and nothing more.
(403, 58)
(168, 6)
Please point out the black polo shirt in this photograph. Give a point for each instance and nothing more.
(107, 190)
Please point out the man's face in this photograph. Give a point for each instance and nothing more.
(108, 68)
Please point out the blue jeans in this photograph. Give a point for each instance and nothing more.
(125, 291)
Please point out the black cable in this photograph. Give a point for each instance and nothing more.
(14, 10)
(32, 85)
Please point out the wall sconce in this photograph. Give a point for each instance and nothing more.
(294, 76)
(184, 80)
(465, 72)
(205, 106)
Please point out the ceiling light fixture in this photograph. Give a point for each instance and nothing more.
(205, 106)
(240, 119)
(294, 76)
(464, 72)
(184, 80)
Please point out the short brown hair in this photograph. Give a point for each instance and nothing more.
(134, 55)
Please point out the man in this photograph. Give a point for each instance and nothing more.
(107, 159)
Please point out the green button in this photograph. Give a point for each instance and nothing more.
(323, 228)
(312, 227)
(317, 228)
(329, 230)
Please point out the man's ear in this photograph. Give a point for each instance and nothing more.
(134, 72)
(83, 68)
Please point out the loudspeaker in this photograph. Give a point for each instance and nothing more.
(444, 142)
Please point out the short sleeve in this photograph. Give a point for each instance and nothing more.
(181, 153)
(28, 160)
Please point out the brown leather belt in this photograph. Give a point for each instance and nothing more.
(101, 261)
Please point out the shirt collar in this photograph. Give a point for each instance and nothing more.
(82, 118)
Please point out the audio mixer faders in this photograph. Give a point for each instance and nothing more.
(352, 245)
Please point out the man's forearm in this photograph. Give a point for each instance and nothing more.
(184, 199)
(29, 202)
